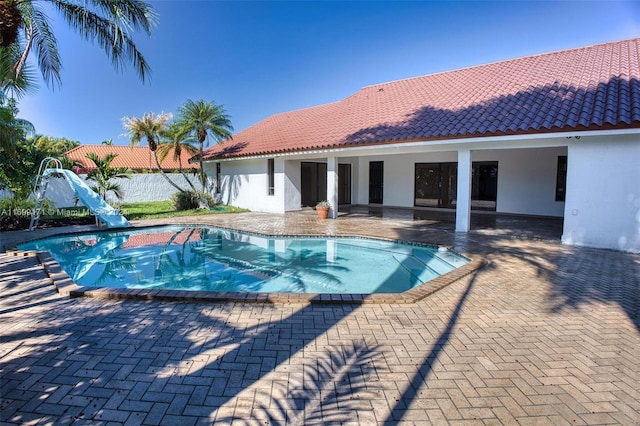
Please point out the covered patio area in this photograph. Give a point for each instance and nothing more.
(487, 223)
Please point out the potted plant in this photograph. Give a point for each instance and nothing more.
(323, 209)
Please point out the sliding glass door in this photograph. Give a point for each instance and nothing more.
(436, 185)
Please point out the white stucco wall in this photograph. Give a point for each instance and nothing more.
(526, 180)
(292, 185)
(603, 193)
(140, 188)
(245, 184)
(399, 176)
(360, 185)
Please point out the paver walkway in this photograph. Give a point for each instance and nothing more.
(544, 334)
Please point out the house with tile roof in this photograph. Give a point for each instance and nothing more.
(145, 183)
(555, 134)
(137, 158)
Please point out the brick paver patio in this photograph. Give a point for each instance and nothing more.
(543, 334)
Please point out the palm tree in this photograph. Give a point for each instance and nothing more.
(103, 173)
(12, 128)
(103, 21)
(150, 127)
(177, 139)
(19, 159)
(48, 146)
(204, 119)
(55, 146)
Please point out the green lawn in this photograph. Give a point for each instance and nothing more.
(19, 217)
(146, 210)
(159, 209)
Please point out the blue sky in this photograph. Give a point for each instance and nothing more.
(262, 58)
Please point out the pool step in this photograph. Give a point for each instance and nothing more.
(417, 268)
(441, 262)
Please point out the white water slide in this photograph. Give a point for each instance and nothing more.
(94, 202)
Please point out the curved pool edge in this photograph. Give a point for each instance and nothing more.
(65, 286)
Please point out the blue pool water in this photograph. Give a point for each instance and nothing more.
(213, 259)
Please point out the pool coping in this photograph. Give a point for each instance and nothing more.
(64, 285)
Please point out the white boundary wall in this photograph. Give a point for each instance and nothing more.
(140, 188)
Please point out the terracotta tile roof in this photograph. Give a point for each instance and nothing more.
(594, 87)
(136, 158)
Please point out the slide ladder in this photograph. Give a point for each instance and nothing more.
(103, 211)
(40, 189)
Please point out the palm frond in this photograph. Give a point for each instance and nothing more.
(206, 118)
(45, 46)
(25, 126)
(111, 32)
(122, 172)
(93, 157)
(54, 146)
(177, 138)
(163, 150)
(15, 84)
(8, 133)
(103, 173)
(68, 163)
(150, 126)
(115, 188)
(109, 158)
(131, 15)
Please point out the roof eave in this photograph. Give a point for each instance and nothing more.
(453, 138)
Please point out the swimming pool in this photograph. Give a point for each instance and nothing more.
(202, 258)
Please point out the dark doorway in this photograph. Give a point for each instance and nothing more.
(436, 185)
(484, 185)
(376, 182)
(344, 183)
(314, 183)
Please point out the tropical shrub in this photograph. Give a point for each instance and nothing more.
(12, 205)
(190, 200)
(103, 173)
(15, 213)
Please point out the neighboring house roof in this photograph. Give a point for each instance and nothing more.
(136, 158)
(595, 87)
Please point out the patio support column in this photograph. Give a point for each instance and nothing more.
(332, 185)
(463, 200)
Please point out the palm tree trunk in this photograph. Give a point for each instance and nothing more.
(11, 19)
(155, 157)
(202, 201)
(186, 177)
(201, 163)
(27, 48)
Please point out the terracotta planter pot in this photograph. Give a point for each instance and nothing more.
(323, 212)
